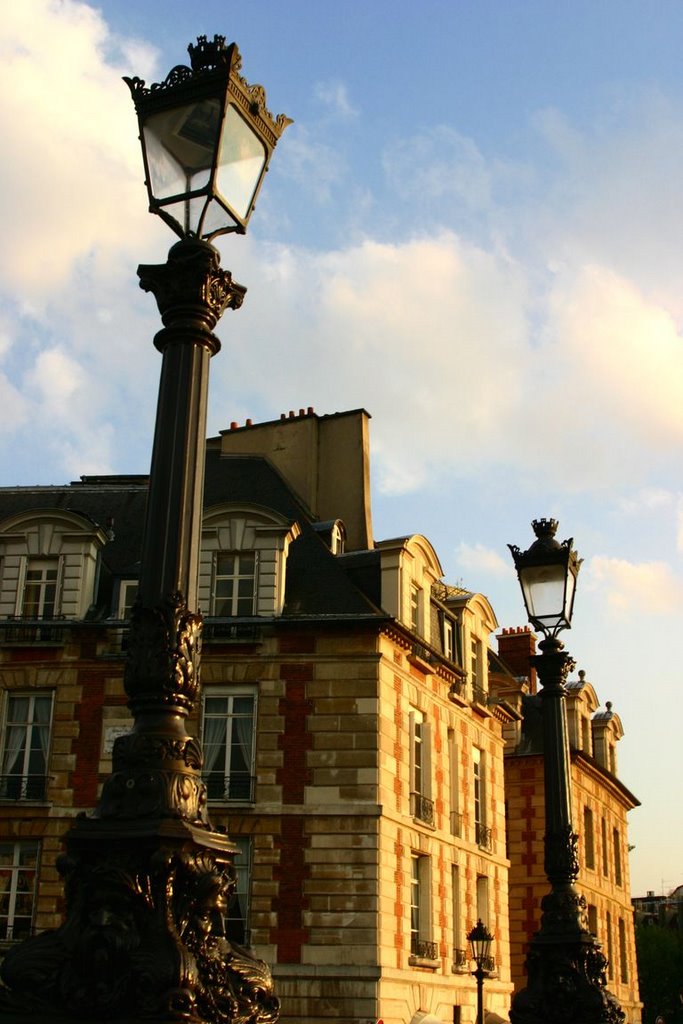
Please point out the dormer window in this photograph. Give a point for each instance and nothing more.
(337, 538)
(416, 608)
(128, 591)
(40, 588)
(234, 589)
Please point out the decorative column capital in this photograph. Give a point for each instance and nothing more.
(192, 292)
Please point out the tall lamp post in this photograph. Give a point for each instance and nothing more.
(565, 967)
(480, 940)
(147, 877)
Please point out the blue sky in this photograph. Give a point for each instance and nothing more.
(473, 229)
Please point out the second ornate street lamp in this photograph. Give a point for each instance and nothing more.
(480, 940)
(565, 966)
(146, 875)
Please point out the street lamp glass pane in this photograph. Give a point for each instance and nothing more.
(180, 146)
(544, 587)
(241, 161)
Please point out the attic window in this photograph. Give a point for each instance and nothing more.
(234, 583)
(337, 539)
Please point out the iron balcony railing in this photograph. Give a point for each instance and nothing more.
(489, 964)
(457, 688)
(23, 787)
(16, 630)
(479, 695)
(423, 949)
(422, 808)
(238, 787)
(484, 836)
(229, 631)
(460, 961)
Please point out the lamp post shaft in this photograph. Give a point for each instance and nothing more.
(479, 975)
(565, 966)
(147, 878)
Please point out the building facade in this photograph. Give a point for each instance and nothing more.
(351, 747)
(600, 804)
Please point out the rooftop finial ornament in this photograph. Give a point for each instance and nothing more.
(207, 138)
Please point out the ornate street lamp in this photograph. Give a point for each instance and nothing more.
(480, 940)
(565, 967)
(147, 877)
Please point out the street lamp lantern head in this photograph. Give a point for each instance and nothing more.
(547, 574)
(207, 138)
(480, 940)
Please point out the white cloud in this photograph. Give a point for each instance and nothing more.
(632, 588)
(335, 98)
(477, 558)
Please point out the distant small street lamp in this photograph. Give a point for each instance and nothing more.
(147, 877)
(480, 940)
(565, 967)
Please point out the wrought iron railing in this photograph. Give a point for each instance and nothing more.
(423, 949)
(227, 631)
(23, 787)
(484, 836)
(479, 695)
(489, 964)
(457, 688)
(460, 961)
(15, 630)
(236, 787)
(423, 653)
(422, 808)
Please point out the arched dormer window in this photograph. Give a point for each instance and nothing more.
(49, 564)
(243, 561)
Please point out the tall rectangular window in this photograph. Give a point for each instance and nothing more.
(416, 608)
(234, 584)
(605, 850)
(41, 585)
(482, 832)
(18, 871)
(449, 639)
(623, 960)
(610, 946)
(483, 899)
(420, 767)
(420, 909)
(617, 857)
(228, 740)
(454, 784)
(588, 838)
(25, 746)
(237, 917)
(459, 951)
(593, 918)
(128, 591)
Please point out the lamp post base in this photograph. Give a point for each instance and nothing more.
(566, 984)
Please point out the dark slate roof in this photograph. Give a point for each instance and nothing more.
(317, 582)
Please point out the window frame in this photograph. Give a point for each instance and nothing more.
(234, 598)
(588, 838)
(16, 870)
(244, 779)
(32, 786)
(42, 564)
(237, 926)
(420, 916)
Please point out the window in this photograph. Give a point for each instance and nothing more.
(617, 857)
(456, 816)
(234, 586)
(40, 588)
(228, 739)
(26, 743)
(476, 668)
(605, 851)
(449, 639)
(416, 608)
(483, 899)
(128, 591)
(459, 952)
(588, 838)
(237, 917)
(610, 947)
(420, 747)
(623, 962)
(18, 870)
(482, 833)
(592, 919)
(420, 923)
(585, 735)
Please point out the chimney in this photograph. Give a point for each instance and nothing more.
(516, 647)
